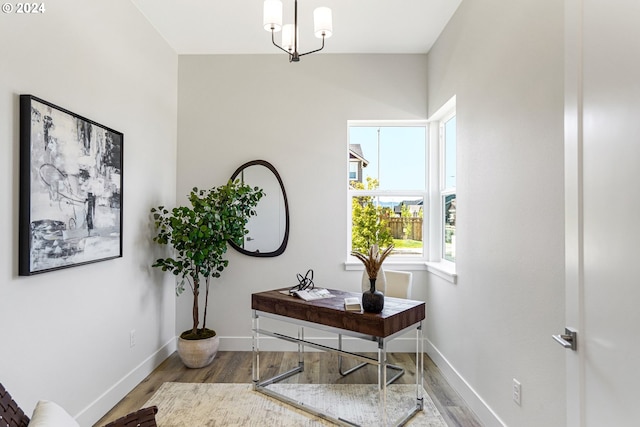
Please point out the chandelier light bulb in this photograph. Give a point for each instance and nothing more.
(287, 38)
(323, 25)
(272, 15)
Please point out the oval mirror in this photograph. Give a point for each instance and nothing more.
(269, 228)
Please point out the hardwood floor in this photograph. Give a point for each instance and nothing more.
(235, 367)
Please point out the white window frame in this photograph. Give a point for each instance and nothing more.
(444, 190)
(437, 264)
(397, 262)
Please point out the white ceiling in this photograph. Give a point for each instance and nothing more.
(359, 26)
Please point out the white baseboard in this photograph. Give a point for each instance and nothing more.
(103, 404)
(484, 413)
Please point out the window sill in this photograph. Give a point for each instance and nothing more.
(444, 270)
(388, 265)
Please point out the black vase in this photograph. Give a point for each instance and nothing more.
(372, 300)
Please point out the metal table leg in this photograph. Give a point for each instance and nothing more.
(381, 362)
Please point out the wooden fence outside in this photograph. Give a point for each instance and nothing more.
(413, 226)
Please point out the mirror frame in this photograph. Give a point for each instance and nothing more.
(285, 238)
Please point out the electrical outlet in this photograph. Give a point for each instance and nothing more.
(132, 338)
(517, 391)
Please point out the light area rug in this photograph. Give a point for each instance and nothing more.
(204, 405)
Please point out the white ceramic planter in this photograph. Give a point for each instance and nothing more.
(198, 353)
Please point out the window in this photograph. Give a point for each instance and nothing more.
(353, 171)
(448, 186)
(443, 197)
(387, 187)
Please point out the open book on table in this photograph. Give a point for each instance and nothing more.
(313, 294)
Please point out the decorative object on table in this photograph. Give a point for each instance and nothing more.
(372, 299)
(199, 235)
(381, 281)
(305, 283)
(70, 189)
(352, 304)
(305, 289)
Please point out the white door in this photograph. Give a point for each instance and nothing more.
(602, 159)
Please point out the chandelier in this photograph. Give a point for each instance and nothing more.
(322, 24)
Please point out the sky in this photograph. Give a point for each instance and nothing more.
(402, 154)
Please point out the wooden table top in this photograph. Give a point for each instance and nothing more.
(397, 315)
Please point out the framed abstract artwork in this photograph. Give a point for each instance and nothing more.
(70, 189)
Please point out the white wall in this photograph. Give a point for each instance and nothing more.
(65, 334)
(504, 61)
(236, 108)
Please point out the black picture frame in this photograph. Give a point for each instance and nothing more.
(71, 183)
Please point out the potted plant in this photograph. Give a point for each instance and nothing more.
(198, 235)
(372, 299)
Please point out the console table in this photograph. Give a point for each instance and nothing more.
(328, 314)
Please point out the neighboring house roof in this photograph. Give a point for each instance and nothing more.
(419, 202)
(414, 205)
(355, 152)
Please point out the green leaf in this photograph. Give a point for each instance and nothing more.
(199, 233)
